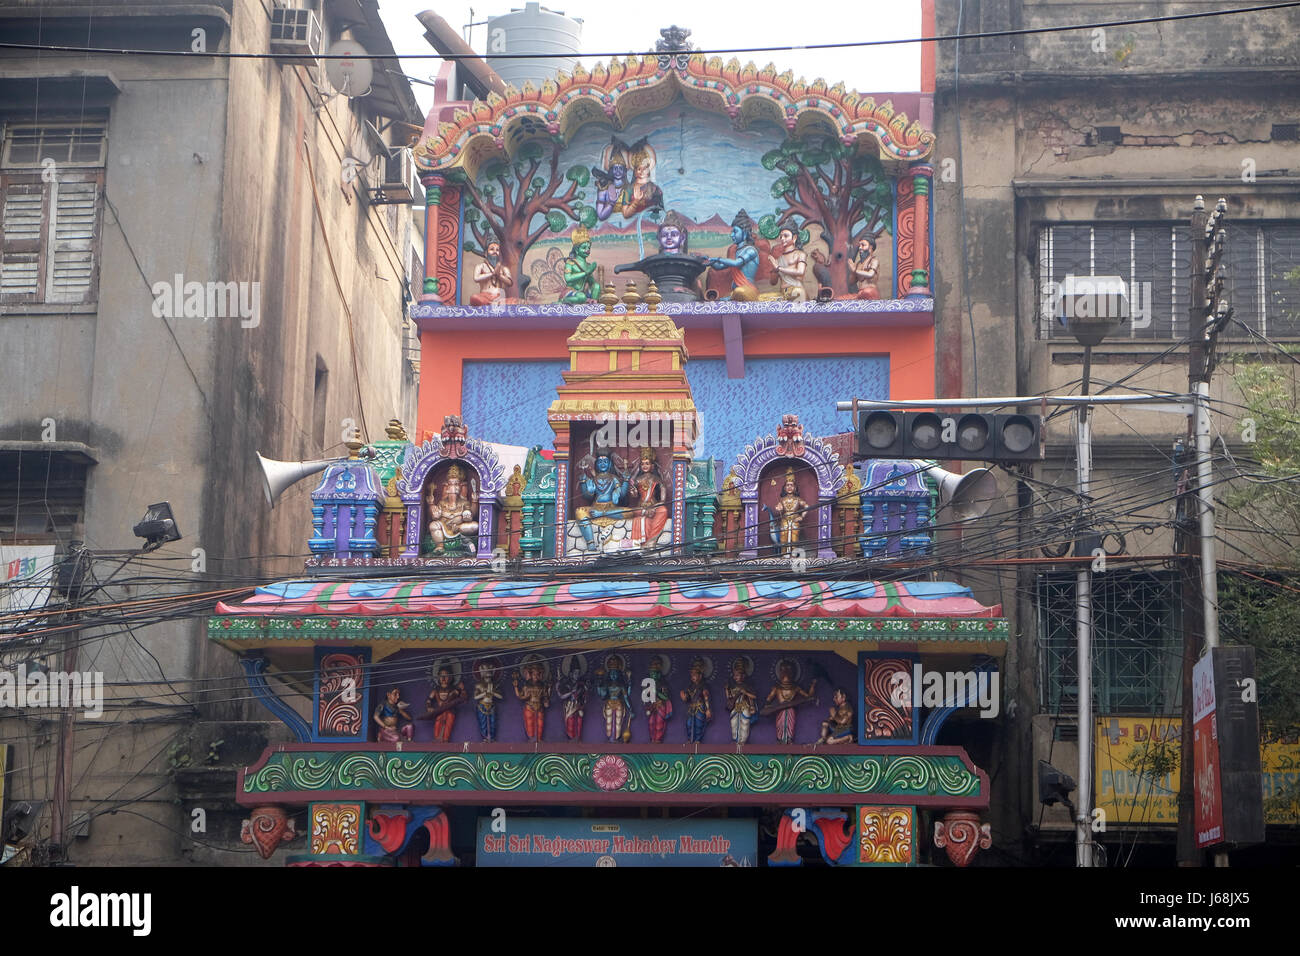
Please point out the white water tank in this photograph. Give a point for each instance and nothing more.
(534, 29)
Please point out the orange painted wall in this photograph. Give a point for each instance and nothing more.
(910, 351)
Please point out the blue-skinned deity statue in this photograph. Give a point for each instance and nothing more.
(605, 489)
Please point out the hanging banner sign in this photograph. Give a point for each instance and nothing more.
(1207, 798)
(530, 841)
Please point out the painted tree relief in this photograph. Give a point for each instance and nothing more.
(515, 203)
(822, 181)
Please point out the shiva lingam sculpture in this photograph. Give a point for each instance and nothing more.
(671, 269)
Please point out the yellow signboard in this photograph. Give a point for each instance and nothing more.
(1136, 770)
(1136, 773)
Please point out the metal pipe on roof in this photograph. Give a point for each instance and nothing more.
(476, 74)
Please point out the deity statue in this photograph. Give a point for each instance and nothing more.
(605, 488)
(514, 489)
(729, 497)
(742, 701)
(673, 236)
(386, 715)
(789, 437)
(790, 263)
(535, 691)
(741, 269)
(671, 269)
(641, 193)
(492, 276)
(660, 709)
(609, 185)
(613, 688)
(837, 728)
(579, 270)
(451, 517)
(787, 516)
(864, 266)
(486, 695)
(649, 507)
(572, 689)
(699, 708)
(784, 697)
(441, 702)
(453, 436)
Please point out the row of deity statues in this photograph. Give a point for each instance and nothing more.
(753, 268)
(620, 507)
(616, 699)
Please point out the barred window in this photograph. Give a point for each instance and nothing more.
(1261, 267)
(51, 192)
(1136, 650)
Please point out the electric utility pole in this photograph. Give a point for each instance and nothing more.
(1207, 313)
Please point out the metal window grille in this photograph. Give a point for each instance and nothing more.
(1136, 651)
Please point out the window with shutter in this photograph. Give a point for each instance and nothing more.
(52, 188)
(1261, 267)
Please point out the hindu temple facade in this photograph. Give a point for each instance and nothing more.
(611, 603)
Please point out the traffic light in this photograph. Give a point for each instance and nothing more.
(969, 436)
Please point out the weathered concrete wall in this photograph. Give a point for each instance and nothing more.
(207, 176)
(1020, 133)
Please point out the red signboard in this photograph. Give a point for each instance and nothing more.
(1205, 741)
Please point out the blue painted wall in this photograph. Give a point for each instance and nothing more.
(506, 401)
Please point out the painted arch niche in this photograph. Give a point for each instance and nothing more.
(615, 187)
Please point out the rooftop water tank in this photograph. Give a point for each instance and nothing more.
(534, 29)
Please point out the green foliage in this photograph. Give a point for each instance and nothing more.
(588, 216)
(782, 186)
(1265, 615)
(557, 221)
(578, 174)
(1155, 759)
(768, 228)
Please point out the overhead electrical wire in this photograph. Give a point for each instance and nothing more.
(720, 51)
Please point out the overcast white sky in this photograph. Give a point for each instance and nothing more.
(624, 28)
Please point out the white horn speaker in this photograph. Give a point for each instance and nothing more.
(968, 496)
(279, 475)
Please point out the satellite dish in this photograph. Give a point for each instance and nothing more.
(352, 74)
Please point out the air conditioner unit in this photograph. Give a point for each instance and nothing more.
(400, 186)
(295, 30)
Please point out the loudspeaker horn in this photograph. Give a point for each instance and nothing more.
(279, 475)
(970, 495)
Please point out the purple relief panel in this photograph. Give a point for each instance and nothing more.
(414, 671)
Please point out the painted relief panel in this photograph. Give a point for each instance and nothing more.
(340, 693)
(687, 185)
(886, 835)
(885, 698)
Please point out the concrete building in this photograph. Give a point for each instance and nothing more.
(1080, 152)
(196, 266)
